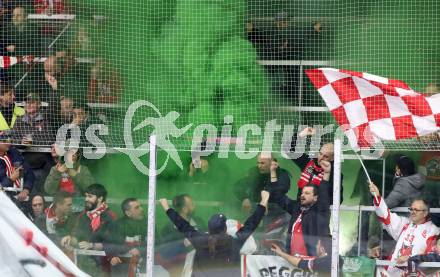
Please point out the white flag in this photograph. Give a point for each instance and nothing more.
(27, 248)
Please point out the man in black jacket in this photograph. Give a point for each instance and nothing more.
(310, 216)
(173, 246)
(216, 251)
(266, 176)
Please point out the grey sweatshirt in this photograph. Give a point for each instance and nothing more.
(405, 189)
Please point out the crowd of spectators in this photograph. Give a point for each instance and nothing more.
(28, 177)
(305, 240)
(60, 62)
(295, 229)
(49, 86)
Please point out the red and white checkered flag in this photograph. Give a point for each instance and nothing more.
(371, 108)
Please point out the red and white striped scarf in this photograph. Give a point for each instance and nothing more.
(95, 216)
(312, 173)
(6, 61)
(9, 169)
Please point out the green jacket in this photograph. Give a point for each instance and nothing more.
(81, 180)
(125, 234)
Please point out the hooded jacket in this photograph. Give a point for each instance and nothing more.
(405, 189)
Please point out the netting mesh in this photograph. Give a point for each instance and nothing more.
(194, 70)
(394, 40)
(206, 60)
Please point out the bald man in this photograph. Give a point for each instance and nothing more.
(311, 170)
(266, 176)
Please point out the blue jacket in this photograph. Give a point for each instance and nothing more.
(430, 257)
(28, 178)
(414, 261)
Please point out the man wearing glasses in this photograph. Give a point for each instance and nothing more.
(414, 235)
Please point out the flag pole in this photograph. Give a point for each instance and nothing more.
(366, 173)
(336, 205)
(151, 224)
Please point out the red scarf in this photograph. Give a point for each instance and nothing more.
(312, 173)
(297, 245)
(66, 183)
(95, 216)
(9, 169)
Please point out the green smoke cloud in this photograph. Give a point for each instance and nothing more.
(398, 40)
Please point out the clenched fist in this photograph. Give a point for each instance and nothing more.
(326, 166)
(164, 203)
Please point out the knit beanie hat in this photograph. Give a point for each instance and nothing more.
(217, 224)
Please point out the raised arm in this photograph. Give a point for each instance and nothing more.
(286, 203)
(181, 224)
(279, 181)
(254, 220)
(324, 187)
(303, 159)
(390, 221)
